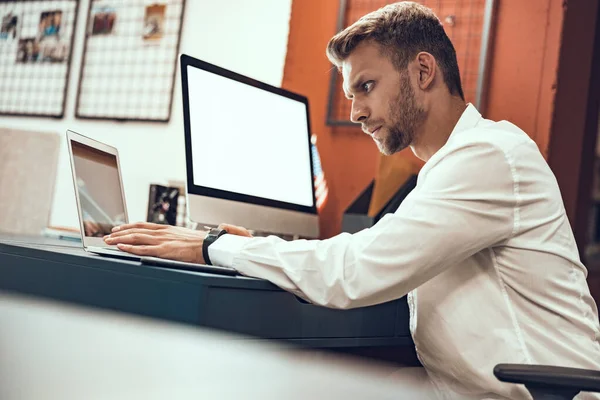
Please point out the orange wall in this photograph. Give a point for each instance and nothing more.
(522, 73)
(348, 156)
(523, 65)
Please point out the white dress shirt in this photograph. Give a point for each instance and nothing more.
(484, 250)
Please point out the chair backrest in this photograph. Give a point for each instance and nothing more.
(28, 166)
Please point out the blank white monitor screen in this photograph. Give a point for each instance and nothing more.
(247, 140)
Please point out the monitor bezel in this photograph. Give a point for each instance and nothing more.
(192, 189)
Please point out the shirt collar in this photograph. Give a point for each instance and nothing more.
(469, 119)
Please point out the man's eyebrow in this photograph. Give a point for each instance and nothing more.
(355, 86)
(357, 83)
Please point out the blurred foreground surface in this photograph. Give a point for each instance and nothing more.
(53, 351)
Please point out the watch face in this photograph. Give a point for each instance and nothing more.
(217, 232)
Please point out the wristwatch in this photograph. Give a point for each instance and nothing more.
(212, 236)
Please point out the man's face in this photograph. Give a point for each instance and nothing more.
(383, 99)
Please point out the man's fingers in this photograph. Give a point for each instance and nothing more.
(132, 231)
(149, 251)
(235, 230)
(134, 238)
(139, 225)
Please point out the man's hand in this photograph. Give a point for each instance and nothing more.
(235, 230)
(164, 241)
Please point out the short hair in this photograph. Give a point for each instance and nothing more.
(402, 30)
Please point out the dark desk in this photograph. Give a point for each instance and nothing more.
(63, 271)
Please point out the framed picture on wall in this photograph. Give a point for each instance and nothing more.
(36, 42)
(130, 59)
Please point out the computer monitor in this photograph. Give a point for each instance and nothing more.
(247, 152)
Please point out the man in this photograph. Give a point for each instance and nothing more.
(482, 245)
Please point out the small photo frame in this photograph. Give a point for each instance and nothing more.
(50, 23)
(28, 51)
(162, 205)
(50, 46)
(103, 20)
(9, 26)
(154, 22)
(51, 49)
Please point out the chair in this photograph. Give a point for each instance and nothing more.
(546, 382)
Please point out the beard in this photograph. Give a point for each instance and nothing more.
(407, 117)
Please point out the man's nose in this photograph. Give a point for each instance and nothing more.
(359, 112)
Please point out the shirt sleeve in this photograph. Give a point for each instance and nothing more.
(222, 250)
(463, 203)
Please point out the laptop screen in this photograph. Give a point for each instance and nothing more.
(98, 189)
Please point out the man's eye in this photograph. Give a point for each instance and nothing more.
(368, 86)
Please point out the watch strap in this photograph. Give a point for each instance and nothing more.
(210, 238)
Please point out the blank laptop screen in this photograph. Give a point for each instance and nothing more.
(99, 189)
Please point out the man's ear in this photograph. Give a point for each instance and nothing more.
(425, 68)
